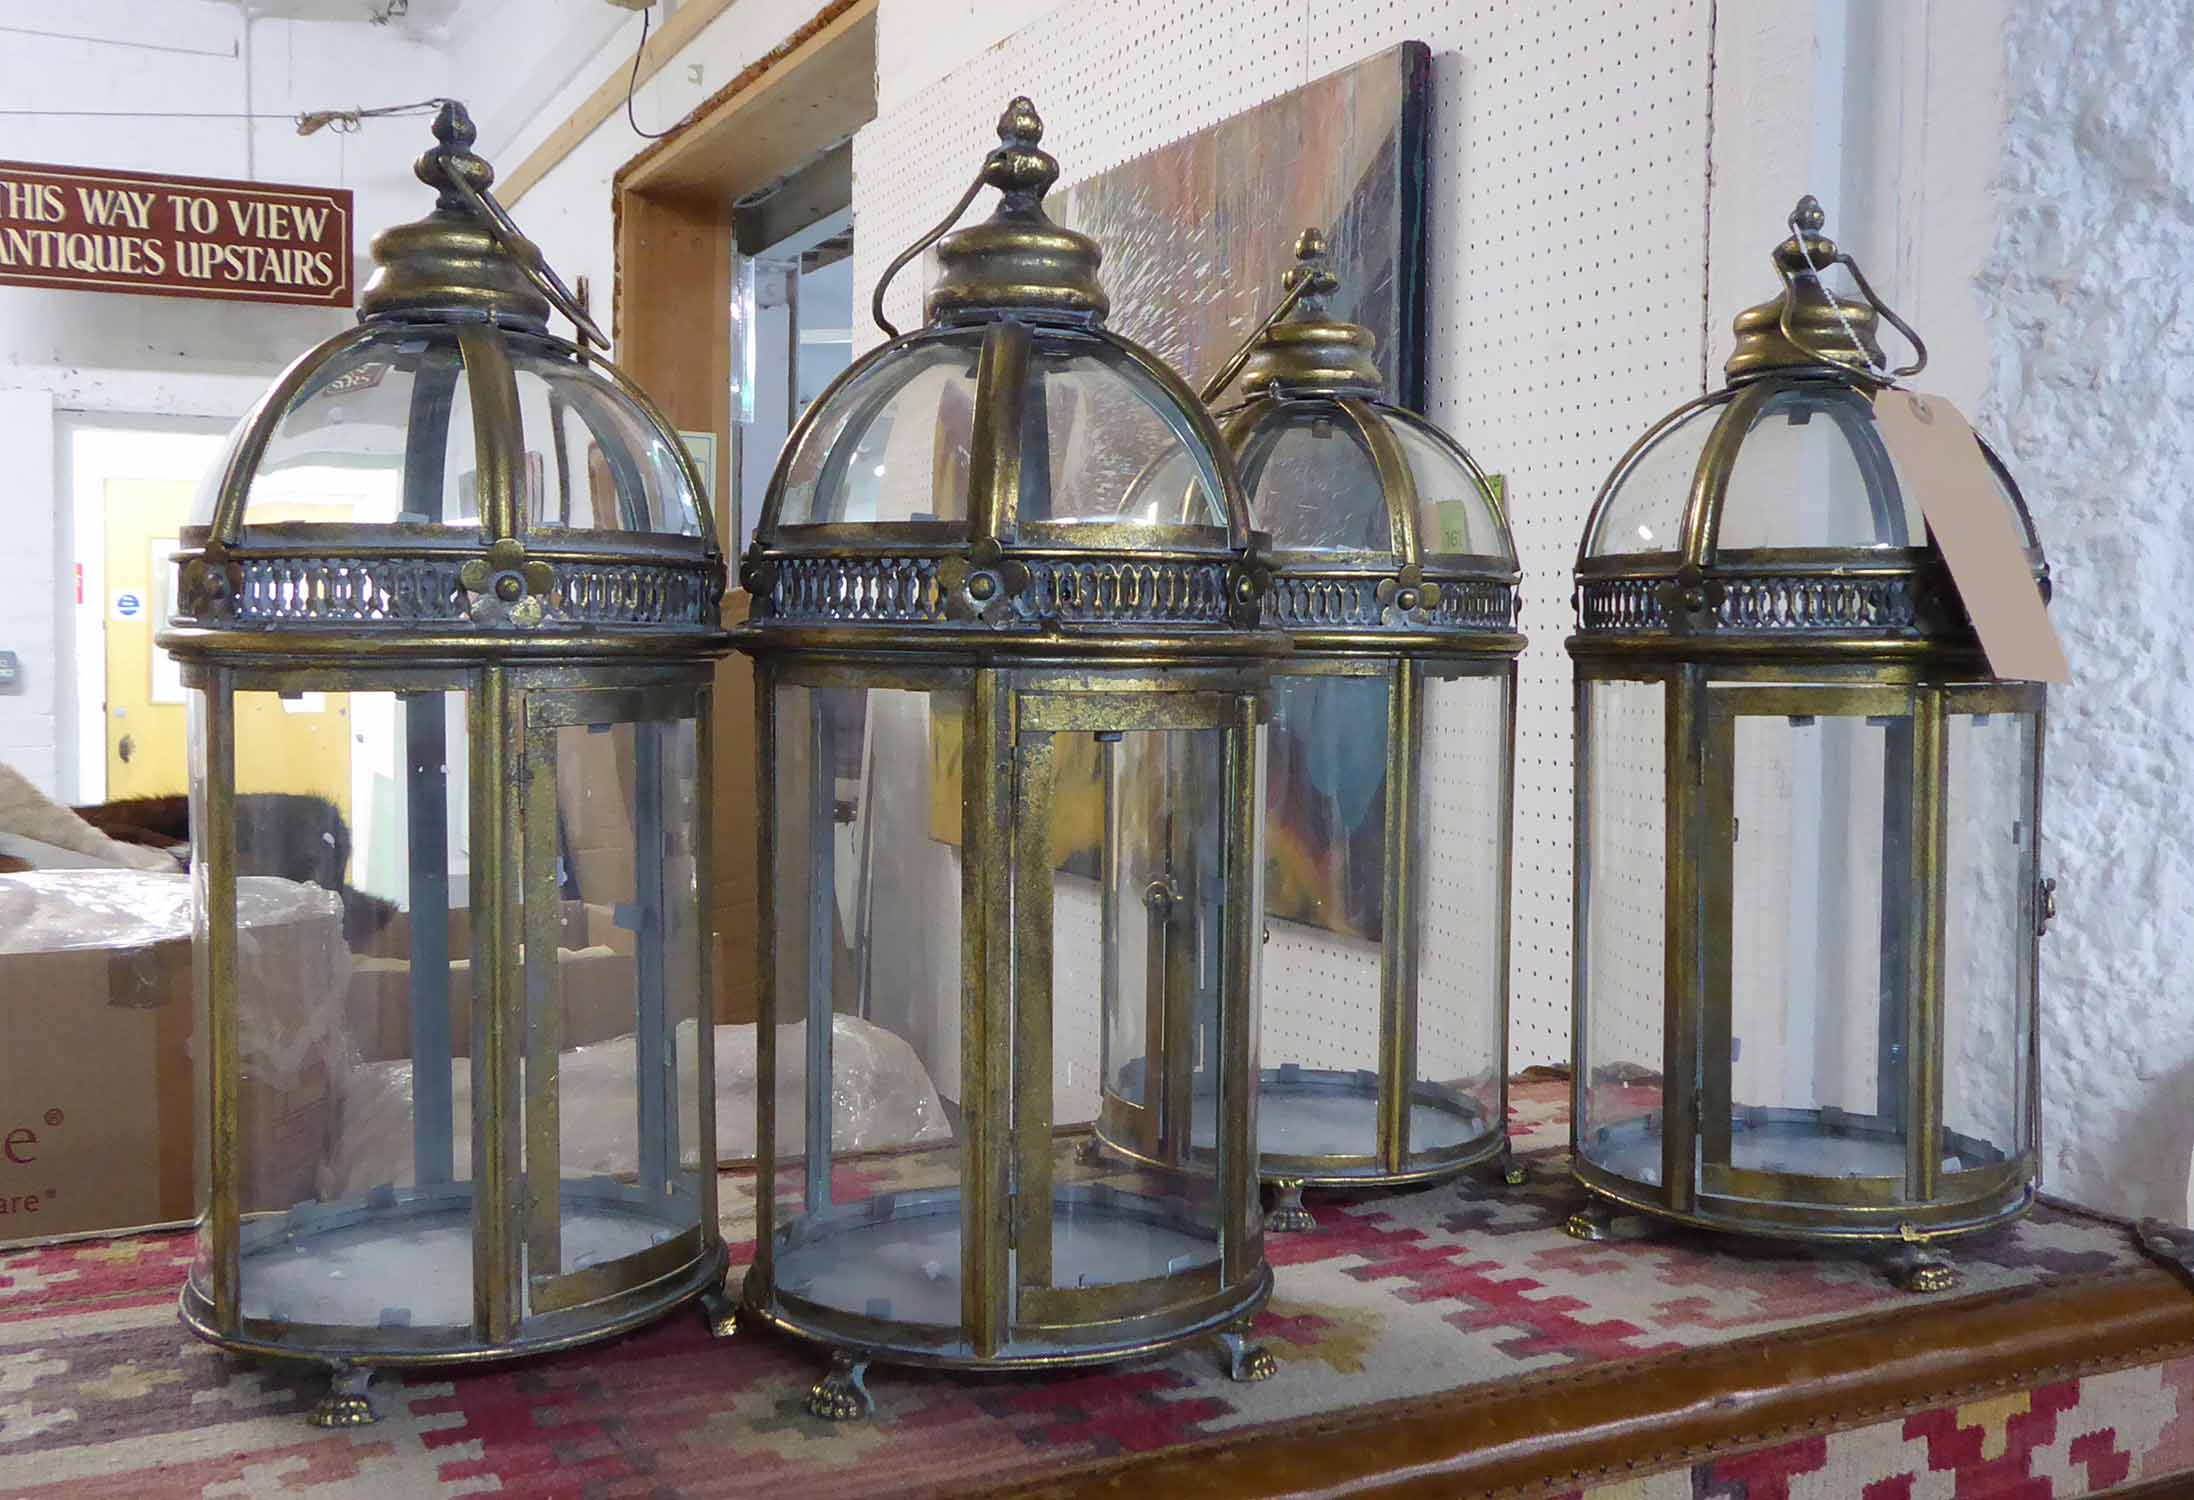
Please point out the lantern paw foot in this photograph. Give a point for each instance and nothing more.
(719, 1312)
(1509, 1167)
(347, 1403)
(842, 1395)
(1919, 1270)
(1595, 1222)
(1247, 1363)
(1287, 1215)
(1091, 1152)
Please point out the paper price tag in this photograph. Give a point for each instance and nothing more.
(1940, 462)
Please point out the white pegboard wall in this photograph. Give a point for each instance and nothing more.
(1568, 183)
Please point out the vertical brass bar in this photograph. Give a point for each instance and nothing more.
(1396, 481)
(1685, 773)
(2030, 998)
(1930, 839)
(1717, 856)
(994, 446)
(1893, 1022)
(1175, 907)
(499, 458)
(1506, 881)
(1035, 777)
(652, 1056)
(702, 830)
(1241, 1234)
(1109, 916)
(1583, 1003)
(498, 749)
(1397, 967)
(822, 942)
(217, 846)
(985, 1017)
(426, 797)
(544, 1009)
(769, 1014)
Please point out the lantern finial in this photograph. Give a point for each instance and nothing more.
(1807, 326)
(1018, 261)
(453, 261)
(1311, 352)
(454, 134)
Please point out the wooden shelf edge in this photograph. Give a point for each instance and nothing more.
(1559, 1430)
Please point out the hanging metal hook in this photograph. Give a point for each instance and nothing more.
(527, 254)
(1806, 220)
(900, 261)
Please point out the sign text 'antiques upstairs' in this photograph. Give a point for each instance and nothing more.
(88, 230)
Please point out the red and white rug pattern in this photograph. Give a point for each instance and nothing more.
(103, 1395)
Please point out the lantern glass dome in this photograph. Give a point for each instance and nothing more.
(1809, 892)
(1318, 486)
(1107, 441)
(1809, 470)
(596, 460)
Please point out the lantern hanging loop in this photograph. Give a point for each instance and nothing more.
(1310, 275)
(524, 251)
(900, 261)
(529, 258)
(1806, 221)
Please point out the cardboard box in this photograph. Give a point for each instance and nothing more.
(595, 973)
(100, 1070)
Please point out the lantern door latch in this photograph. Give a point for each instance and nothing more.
(2045, 906)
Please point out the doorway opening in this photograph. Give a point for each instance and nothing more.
(792, 314)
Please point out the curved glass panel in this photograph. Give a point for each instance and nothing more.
(595, 460)
(1454, 513)
(1989, 881)
(891, 443)
(1115, 445)
(357, 1064)
(384, 433)
(1646, 511)
(1623, 847)
(1312, 482)
(337, 454)
(1812, 472)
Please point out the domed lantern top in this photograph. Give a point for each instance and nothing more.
(448, 470)
(1772, 504)
(995, 469)
(1378, 519)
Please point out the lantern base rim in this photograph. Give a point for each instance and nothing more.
(1819, 1228)
(558, 1331)
(813, 1325)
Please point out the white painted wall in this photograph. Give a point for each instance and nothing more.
(85, 351)
(2084, 297)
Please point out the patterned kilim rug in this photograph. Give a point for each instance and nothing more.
(1403, 1295)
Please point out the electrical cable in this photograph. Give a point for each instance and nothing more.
(632, 83)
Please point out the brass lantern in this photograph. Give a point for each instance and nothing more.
(1395, 576)
(487, 553)
(1010, 772)
(1808, 906)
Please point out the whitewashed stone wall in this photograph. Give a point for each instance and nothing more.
(2092, 328)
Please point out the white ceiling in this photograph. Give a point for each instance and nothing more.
(419, 16)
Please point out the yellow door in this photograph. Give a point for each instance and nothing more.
(294, 744)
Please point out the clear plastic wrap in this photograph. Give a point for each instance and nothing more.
(290, 948)
(881, 1097)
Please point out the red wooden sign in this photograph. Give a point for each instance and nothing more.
(75, 227)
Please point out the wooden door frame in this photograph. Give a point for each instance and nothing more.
(672, 205)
